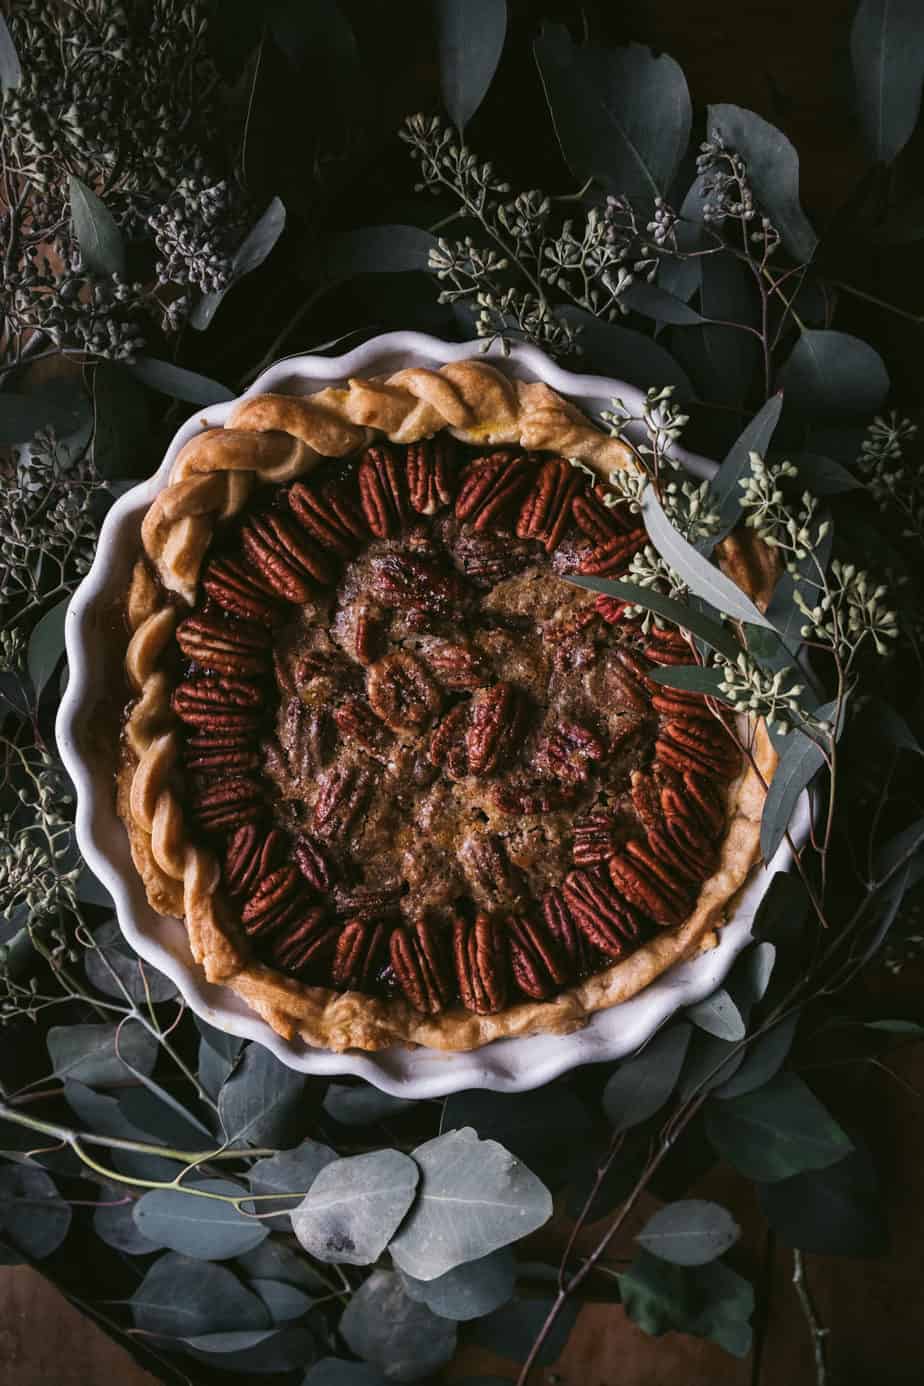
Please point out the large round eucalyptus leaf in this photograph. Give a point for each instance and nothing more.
(718, 1015)
(355, 1206)
(182, 1298)
(207, 1228)
(285, 1302)
(763, 1059)
(253, 1353)
(691, 1232)
(33, 1216)
(474, 1197)
(643, 1083)
(778, 1130)
(384, 1326)
(101, 1055)
(629, 355)
(887, 58)
(261, 1102)
(360, 1104)
(273, 1260)
(336, 1371)
(773, 172)
(470, 34)
(113, 1223)
(290, 1174)
(127, 966)
(832, 373)
(710, 1301)
(469, 1291)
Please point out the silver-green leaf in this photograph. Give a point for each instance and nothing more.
(384, 1326)
(101, 1055)
(778, 1130)
(469, 1291)
(773, 172)
(641, 1085)
(287, 1176)
(179, 383)
(208, 1229)
(10, 67)
(474, 1197)
(887, 58)
(691, 1232)
(355, 1206)
(830, 373)
(100, 240)
(180, 1297)
(470, 36)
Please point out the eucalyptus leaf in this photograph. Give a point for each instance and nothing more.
(111, 944)
(46, 645)
(230, 1341)
(10, 69)
(113, 1223)
(621, 115)
(102, 251)
(781, 913)
(728, 355)
(205, 1228)
(361, 1104)
(773, 172)
(102, 1114)
(763, 1059)
(388, 249)
(799, 763)
(177, 382)
(822, 475)
(285, 1302)
(469, 1291)
(250, 254)
(837, 1211)
(335, 1371)
(642, 1084)
(887, 59)
(710, 1062)
(355, 1206)
(626, 354)
(470, 36)
(654, 302)
(474, 1198)
(678, 613)
(725, 487)
(776, 1131)
(896, 1027)
(832, 373)
(261, 1101)
(123, 439)
(702, 577)
(542, 1127)
(718, 1015)
(691, 1232)
(213, 1068)
(255, 1354)
(21, 416)
(92, 1054)
(273, 1260)
(152, 1108)
(692, 678)
(710, 1301)
(227, 1045)
(34, 1217)
(290, 1174)
(384, 1326)
(511, 1330)
(181, 1297)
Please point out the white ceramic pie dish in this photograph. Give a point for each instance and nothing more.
(85, 744)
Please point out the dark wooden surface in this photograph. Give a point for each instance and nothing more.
(787, 64)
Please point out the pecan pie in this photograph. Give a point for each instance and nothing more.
(401, 778)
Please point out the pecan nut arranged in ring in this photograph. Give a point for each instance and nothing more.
(239, 649)
(536, 961)
(285, 557)
(315, 864)
(421, 966)
(329, 517)
(646, 888)
(222, 706)
(613, 557)
(207, 754)
(600, 911)
(479, 949)
(307, 946)
(239, 591)
(343, 799)
(599, 521)
(492, 489)
(430, 474)
(360, 954)
(546, 512)
(498, 723)
(251, 855)
(383, 492)
(220, 806)
(402, 693)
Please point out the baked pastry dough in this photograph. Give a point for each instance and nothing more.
(272, 440)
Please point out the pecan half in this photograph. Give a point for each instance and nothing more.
(329, 516)
(598, 521)
(224, 707)
(571, 640)
(368, 634)
(306, 945)
(237, 590)
(223, 805)
(315, 864)
(661, 900)
(692, 706)
(614, 556)
(546, 511)
(421, 966)
(573, 946)
(630, 679)
(690, 744)
(223, 645)
(344, 797)
(430, 474)
(276, 902)
(678, 861)
(498, 722)
(448, 744)
(360, 954)
(487, 559)
(481, 965)
(611, 609)
(493, 879)
(526, 794)
(692, 801)
(595, 839)
(287, 559)
(456, 665)
(599, 911)
(357, 723)
(570, 751)
(210, 755)
(667, 645)
(306, 738)
(492, 489)
(368, 902)
(402, 693)
(383, 492)
(411, 582)
(250, 856)
(536, 962)
(646, 800)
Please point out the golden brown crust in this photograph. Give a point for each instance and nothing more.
(275, 438)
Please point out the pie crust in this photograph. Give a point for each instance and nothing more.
(276, 439)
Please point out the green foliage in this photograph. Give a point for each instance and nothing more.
(355, 1206)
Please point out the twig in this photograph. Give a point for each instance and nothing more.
(817, 1330)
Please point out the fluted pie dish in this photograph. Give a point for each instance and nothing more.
(400, 779)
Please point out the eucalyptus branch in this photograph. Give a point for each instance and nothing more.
(817, 1331)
